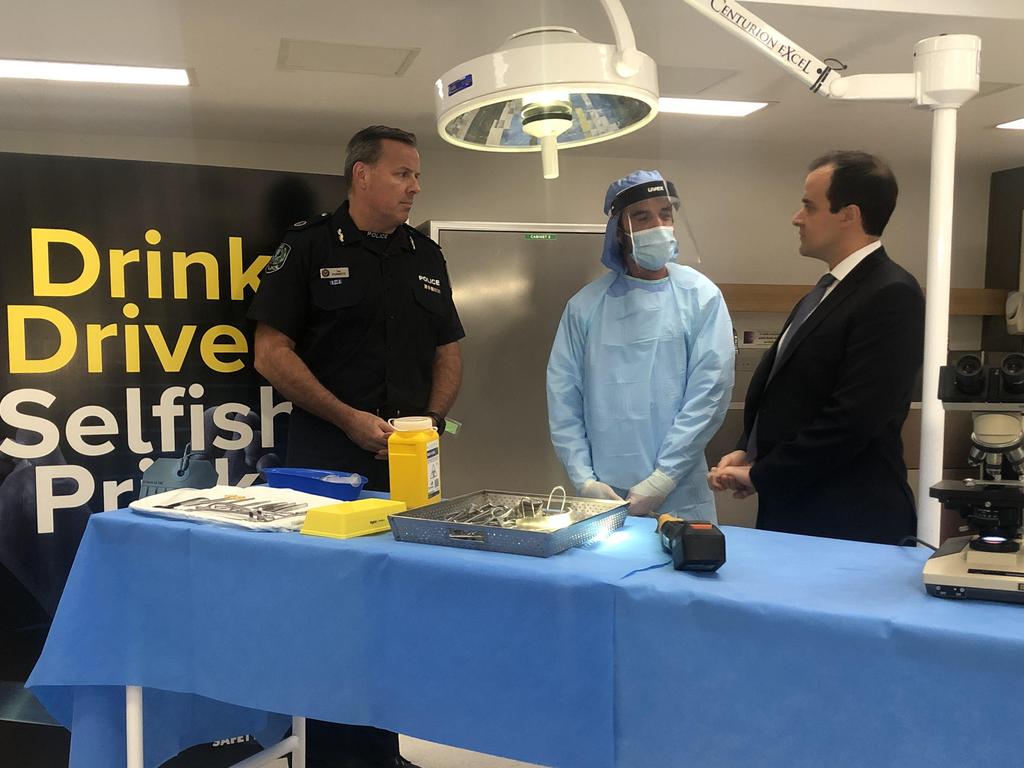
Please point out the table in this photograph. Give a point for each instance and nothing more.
(799, 652)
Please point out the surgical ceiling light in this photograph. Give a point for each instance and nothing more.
(709, 107)
(91, 73)
(548, 88)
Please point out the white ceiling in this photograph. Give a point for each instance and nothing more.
(232, 48)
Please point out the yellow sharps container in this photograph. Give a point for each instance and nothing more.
(414, 461)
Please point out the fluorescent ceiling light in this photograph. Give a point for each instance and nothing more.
(1013, 125)
(712, 107)
(91, 73)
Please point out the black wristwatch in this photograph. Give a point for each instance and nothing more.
(439, 421)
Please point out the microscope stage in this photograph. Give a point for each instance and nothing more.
(958, 493)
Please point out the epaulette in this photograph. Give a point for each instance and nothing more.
(307, 223)
(415, 233)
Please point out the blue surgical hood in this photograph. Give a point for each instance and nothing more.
(611, 256)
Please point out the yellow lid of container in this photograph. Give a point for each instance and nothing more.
(348, 519)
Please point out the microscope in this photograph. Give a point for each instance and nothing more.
(988, 565)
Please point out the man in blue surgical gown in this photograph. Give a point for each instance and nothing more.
(641, 369)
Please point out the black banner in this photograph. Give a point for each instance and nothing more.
(125, 286)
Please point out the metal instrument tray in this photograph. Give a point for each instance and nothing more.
(435, 524)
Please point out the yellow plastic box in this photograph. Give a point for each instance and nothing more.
(348, 519)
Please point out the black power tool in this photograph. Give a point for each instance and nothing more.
(695, 545)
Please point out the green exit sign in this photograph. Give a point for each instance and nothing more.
(540, 236)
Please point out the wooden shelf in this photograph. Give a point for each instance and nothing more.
(978, 301)
(762, 297)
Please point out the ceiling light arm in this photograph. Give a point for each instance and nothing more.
(628, 62)
(756, 32)
(945, 72)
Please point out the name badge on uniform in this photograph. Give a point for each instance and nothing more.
(333, 273)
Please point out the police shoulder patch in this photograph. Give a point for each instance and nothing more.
(278, 259)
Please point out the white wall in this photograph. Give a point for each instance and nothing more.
(739, 205)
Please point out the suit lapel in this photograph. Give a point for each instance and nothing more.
(847, 286)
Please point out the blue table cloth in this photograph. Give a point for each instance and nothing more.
(798, 652)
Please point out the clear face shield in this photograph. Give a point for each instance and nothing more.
(652, 228)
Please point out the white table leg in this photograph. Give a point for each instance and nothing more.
(299, 753)
(296, 743)
(133, 725)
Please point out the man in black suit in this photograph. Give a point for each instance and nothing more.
(821, 441)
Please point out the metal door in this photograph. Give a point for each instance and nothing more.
(511, 283)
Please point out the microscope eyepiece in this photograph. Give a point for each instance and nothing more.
(1012, 371)
(970, 374)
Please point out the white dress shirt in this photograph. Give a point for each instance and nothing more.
(841, 270)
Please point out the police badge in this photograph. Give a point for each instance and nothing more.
(278, 259)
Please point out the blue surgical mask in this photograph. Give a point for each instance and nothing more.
(654, 248)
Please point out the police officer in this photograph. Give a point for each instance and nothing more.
(356, 325)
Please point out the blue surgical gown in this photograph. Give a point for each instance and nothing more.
(639, 377)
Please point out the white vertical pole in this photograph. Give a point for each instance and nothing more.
(299, 753)
(133, 725)
(936, 329)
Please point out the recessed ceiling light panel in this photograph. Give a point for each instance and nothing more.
(315, 56)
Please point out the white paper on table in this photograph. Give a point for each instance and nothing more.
(157, 505)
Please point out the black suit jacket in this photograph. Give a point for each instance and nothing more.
(829, 452)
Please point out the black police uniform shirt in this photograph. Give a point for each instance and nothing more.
(366, 311)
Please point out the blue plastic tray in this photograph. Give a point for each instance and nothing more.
(316, 481)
